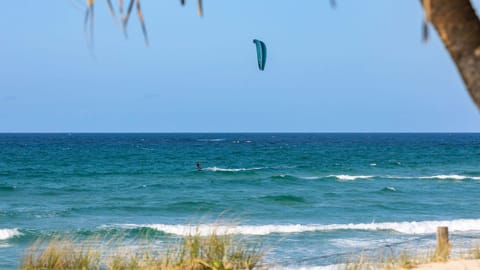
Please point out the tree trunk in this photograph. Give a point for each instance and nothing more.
(459, 28)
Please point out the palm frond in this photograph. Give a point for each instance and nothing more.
(200, 8)
(127, 15)
(110, 7)
(142, 22)
(427, 8)
(89, 17)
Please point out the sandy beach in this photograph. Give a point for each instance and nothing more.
(452, 265)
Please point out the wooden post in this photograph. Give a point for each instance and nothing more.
(443, 245)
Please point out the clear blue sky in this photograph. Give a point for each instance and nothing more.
(360, 67)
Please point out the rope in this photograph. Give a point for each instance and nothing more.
(464, 236)
(390, 246)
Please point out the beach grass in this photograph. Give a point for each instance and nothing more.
(199, 252)
(61, 254)
(193, 252)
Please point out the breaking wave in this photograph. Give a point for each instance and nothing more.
(450, 176)
(346, 177)
(414, 227)
(9, 233)
(218, 169)
(211, 140)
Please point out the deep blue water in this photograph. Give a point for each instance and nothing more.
(309, 196)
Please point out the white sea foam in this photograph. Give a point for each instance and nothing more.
(450, 176)
(373, 164)
(420, 227)
(310, 177)
(391, 188)
(211, 140)
(440, 177)
(347, 177)
(358, 242)
(218, 169)
(9, 233)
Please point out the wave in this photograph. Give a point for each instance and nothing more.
(238, 141)
(218, 169)
(311, 177)
(450, 176)
(9, 233)
(285, 199)
(211, 140)
(420, 227)
(188, 206)
(347, 177)
(389, 189)
(284, 177)
(4, 187)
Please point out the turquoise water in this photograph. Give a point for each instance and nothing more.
(312, 197)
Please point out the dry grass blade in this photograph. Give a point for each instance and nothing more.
(60, 254)
(211, 252)
(142, 22)
(200, 8)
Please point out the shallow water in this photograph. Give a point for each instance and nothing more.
(312, 197)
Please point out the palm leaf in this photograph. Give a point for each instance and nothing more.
(127, 15)
(200, 8)
(142, 22)
(89, 17)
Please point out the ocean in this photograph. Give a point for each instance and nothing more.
(313, 199)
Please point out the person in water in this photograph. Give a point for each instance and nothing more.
(199, 166)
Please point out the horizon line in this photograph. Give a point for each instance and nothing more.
(239, 132)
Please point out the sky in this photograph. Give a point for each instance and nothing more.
(360, 67)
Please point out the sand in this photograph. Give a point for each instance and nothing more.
(452, 265)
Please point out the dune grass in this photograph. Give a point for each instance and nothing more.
(61, 254)
(195, 252)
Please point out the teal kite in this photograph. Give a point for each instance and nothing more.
(261, 53)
